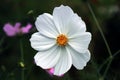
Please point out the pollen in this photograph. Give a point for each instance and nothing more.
(62, 40)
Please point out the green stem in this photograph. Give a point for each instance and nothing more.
(95, 66)
(101, 66)
(106, 70)
(110, 60)
(22, 60)
(106, 43)
(116, 53)
(2, 40)
(101, 32)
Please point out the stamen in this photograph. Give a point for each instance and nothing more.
(62, 40)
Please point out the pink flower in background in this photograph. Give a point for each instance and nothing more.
(51, 72)
(11, 30)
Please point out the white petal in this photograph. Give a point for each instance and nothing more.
(40, 42)
(47, 59)
(45, 25)
(61, 16)
(79, 60)
(65, 62)
(80, 42)
(76, 25)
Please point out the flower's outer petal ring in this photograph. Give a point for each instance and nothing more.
(47, 59)
(79, 60)
(40, 42)
(80, 42)
(64, 63)
(45, 25)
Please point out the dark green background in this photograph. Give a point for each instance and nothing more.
(26, 11)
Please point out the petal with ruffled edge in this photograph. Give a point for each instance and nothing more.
(40, 42)
(64, 63)
(61, 17)
(80, 42)
(45, 25)
(47, 59)
(75, 26)
(79, 60)
(9, 29)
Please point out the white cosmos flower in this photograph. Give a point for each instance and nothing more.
(61, 41)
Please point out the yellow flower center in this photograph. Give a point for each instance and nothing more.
(62, 40)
